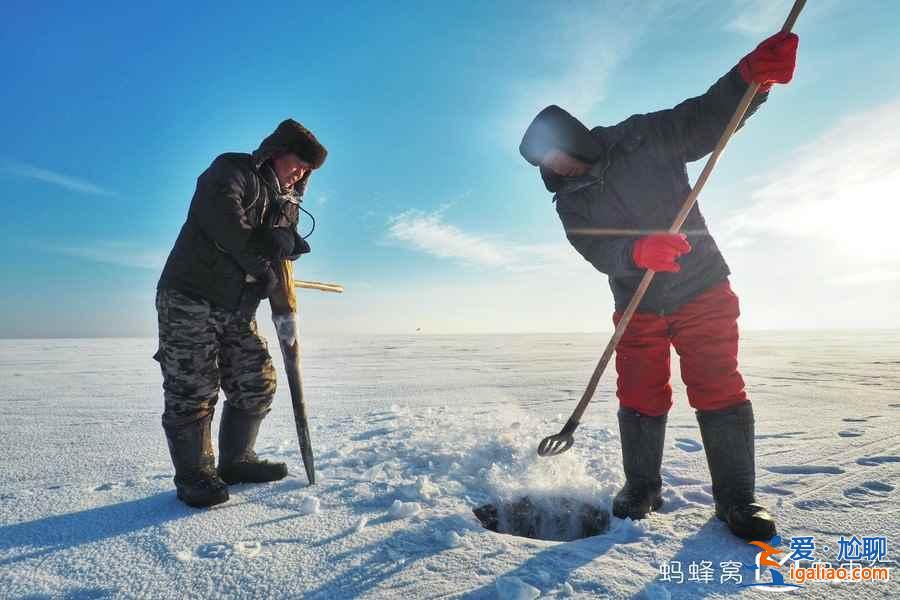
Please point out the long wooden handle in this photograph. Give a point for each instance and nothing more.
(284, 299)
(318, 285)
(792, 16)
(689, 203)
(284, 314)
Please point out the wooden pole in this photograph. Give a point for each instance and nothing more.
(285, 316)
(318, 285)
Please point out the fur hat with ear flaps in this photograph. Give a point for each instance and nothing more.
(291, 136)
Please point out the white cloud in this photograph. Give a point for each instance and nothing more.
(429, 233)
(841, 191)
(19, 169)
(508, 286)
(125, 254)
(817, 247)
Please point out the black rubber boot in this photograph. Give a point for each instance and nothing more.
(196, 480)
(728, 439)
(238, 462)
(642, 448)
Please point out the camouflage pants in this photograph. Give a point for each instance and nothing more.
(202, 347)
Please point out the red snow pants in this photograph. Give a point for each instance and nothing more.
(704, 332)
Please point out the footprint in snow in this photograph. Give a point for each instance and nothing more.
(778, 436)
(219, 551)
(804, 470)
(878, 489)
(849, 433)
(824, 504)
(367, 435)
(213, 551)
(688, 445)
(777, 491)
(874, 461)
(111, 485)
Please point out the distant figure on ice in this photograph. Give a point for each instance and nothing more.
(632, 176)
(243, 215)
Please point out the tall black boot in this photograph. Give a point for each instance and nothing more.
(238, 462)
(190, 446)
(642, 448)
(728, 438)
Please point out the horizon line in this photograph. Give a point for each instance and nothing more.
(440, 333)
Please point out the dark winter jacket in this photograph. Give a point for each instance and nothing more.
(641, 183)
(235, 195)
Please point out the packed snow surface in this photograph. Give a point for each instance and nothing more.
(412, 433)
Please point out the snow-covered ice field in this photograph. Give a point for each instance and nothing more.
(411, 433)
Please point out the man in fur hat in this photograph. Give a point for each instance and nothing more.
(632, 176)
(243, 216)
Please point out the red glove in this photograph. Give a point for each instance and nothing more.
(773, 61)
(660, 251)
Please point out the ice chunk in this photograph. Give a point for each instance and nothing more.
(423, 488)
(309, 505)
(374, 473)
(449, 539)
(513, 588)
(402, 510)
(426, 488)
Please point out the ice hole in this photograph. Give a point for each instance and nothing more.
(554, 518)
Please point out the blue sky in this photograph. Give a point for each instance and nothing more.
(425, 211)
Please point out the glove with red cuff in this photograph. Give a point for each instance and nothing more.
(773, 61)
(660, 251)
